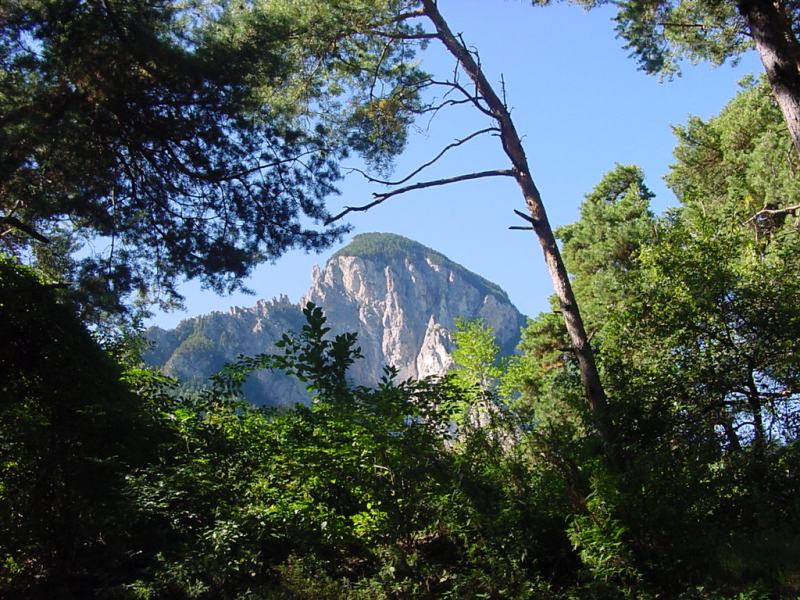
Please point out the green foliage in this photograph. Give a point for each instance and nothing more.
(359, 495)
(600, 251)
(602, 247)
(386, 244)
(192, 139)
(695, 328)
(737, 164)
(476, 356)
(194, 353)
(599, 539)
(661, 34)
(693, 361)
(546, 380)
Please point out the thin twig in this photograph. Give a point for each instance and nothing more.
(378, 69)
(421, 168)
(475, 99)
(683, 25)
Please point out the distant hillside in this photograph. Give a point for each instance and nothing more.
(201, 346)
(401, 297)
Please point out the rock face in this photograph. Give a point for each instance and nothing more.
(201, 346)
(401, 297)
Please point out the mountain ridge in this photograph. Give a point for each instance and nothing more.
(401, 297)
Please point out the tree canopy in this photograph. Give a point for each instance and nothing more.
(191, 140)
(696, 339)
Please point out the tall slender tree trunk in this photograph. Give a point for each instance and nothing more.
(730, 432)
(754, 401)
(590, 378)
(771, 28)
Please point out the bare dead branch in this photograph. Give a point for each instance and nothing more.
(773, 212)
(525, 217)
(456, 71)
(512, 145)
(413, 14)
(380, 198)
(520, 228)
(421, 168)
(435, 108)
(404, 36)
(14, 223)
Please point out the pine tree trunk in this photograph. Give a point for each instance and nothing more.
(590, 378)
(771, 29)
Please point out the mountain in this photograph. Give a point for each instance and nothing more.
(400, 296)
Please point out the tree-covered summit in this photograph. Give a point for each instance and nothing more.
(391, 245)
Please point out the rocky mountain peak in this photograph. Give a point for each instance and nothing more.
(401, 297)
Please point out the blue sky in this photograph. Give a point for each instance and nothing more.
(581, 105)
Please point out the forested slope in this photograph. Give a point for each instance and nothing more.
(492, 482)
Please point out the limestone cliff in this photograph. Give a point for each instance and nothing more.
(401, 297)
